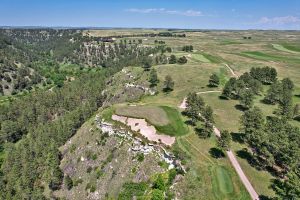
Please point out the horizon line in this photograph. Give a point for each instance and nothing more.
(148, 28)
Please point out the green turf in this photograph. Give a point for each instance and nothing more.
(209, 178)
(214, 58)
(176, 127)
(224, 180)
(201, 58)
(290, 47)
(194, 76)
(269, 57)
(282, 48)
(230, 42)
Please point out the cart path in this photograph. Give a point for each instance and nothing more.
(242, 175)
(238, 169)
(231, 71)
(231, 157)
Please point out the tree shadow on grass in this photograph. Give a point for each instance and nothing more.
(245, 154)
(240, 107)
(238, 137)
(223, 98)
(216, 153)
(297, 95)
(202, 133)
(189, 122)
(264, 197)
(297, 118)
(264, 101)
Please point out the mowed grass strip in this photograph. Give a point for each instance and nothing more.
(269, 57)
(224, 180)
(295, 48)
(282, 48)
(213, 58)
(165, 119)
(201, 58)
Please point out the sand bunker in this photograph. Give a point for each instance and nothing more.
(146, 130)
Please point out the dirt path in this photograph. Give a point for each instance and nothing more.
(230, 154)
(231, 71)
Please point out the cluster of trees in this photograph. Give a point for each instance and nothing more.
(275, 144)
(196, 110)
(281, 93)
(139, 41)
(169, 34)
(17, 79)
(41, 52)
(45, 121)
(161, 34)
(159, 42)
(103, 54)
(34, 126)
(266, 75)
(174, 60)
(249, 84)
(188, 48)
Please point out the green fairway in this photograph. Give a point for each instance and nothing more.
(224, 180)
(290, 47)
(282, 48)
(269, 57)
(201, 58)
(214, 58)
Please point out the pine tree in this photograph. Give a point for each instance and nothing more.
(182, 60)
(172, 59)
(153, 79)
(246, 98)
(168, 84)
(224, 141)
(214, 80)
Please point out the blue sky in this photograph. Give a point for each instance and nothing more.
(204, 14)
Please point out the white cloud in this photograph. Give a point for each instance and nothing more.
(189, 13)
(279, 20)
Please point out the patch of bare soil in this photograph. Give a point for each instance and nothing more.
(148, 131)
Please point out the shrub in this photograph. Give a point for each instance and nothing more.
(140, 157)
(68, 182)
(182, 60)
